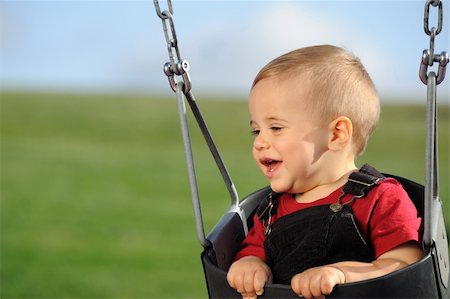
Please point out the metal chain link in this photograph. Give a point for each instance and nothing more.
(434, 228)
(182, 88)
(177, 66)
(434, 3)
(428, 56)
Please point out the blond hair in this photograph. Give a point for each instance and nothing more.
(340, 86)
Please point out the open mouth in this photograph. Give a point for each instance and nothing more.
(271, 165)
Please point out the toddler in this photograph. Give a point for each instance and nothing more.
(312, 111)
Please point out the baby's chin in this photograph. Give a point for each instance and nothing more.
(279, 188)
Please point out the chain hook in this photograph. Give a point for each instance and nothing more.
(428, 56)
(443, 60)
(179, 69)
(176, 66)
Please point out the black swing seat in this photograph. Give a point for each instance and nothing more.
(419, 280)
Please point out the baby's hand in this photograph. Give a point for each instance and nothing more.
(248, 276)
(317, 282)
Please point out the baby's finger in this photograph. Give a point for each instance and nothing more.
(248, 283)
(315, 286)
(300, 285)
(238, 283)
(326, 285)
(230, 279)
(259, 282)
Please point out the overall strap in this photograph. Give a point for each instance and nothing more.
(359, 184)
(266, 209)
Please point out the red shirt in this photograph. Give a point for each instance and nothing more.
(387, 210)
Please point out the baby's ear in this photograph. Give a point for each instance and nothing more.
(340, 133)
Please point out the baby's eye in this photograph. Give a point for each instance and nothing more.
(255, 132)
(276, 129)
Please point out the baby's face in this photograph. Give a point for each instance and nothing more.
(289, 141)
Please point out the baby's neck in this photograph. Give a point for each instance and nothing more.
(323, 190)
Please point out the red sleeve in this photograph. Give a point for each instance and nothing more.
(394, 220)
(253, 244)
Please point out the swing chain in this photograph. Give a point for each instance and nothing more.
(176, 66)
(435, 3)
(428, 56)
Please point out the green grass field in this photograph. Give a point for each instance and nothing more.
(95, 200)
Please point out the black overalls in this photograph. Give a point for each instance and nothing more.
(318, 235)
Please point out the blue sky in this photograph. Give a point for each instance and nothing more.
(119, 46)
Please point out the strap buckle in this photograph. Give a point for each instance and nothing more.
(358, 184)
(265, 216)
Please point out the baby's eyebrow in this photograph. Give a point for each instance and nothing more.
(272, 118)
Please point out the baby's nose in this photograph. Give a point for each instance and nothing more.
(260, 142)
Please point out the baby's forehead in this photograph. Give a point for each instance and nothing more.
(295, 91)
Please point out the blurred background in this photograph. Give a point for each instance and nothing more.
(95, 201)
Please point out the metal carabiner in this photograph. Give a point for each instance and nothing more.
(443, 60)
(180, 69)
